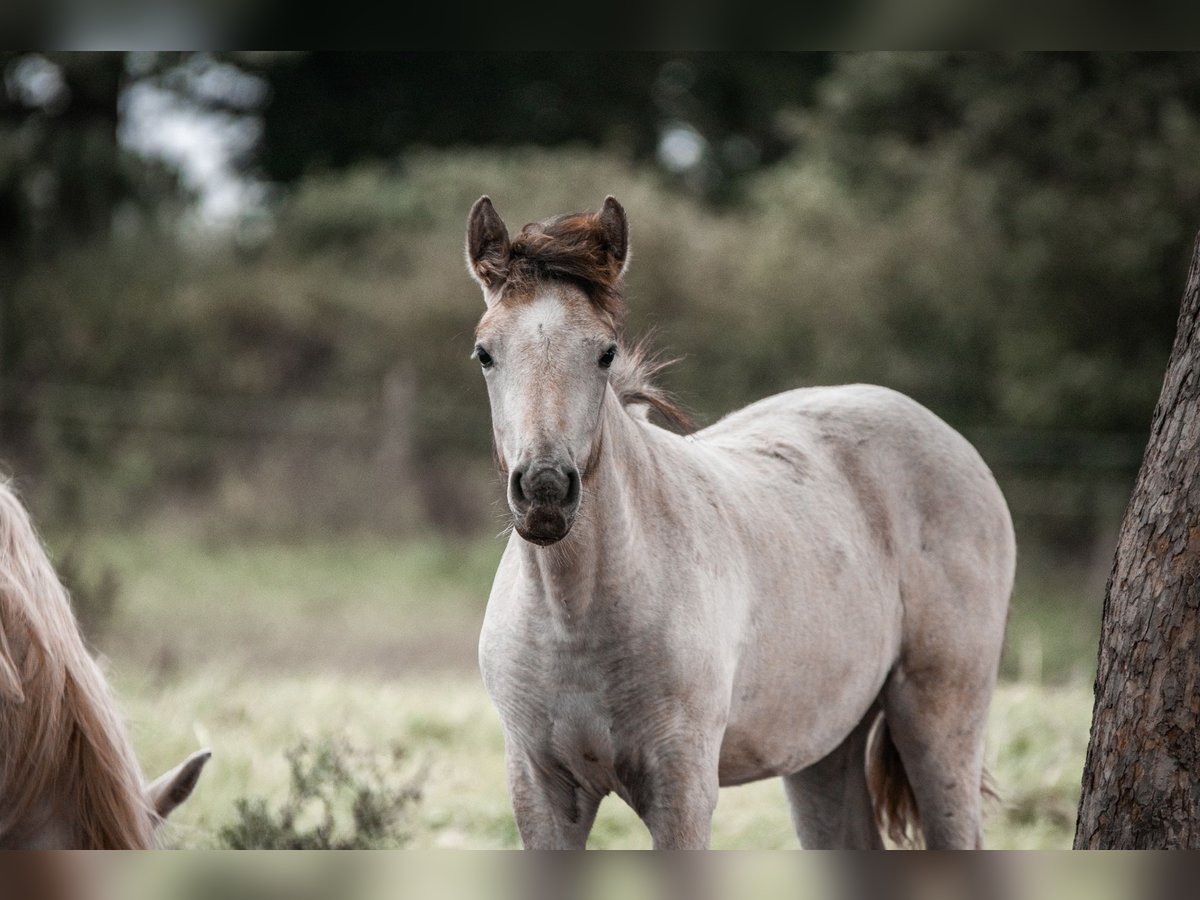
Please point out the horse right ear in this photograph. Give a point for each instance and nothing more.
(487, 247)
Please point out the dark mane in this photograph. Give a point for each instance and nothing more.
(573, 248)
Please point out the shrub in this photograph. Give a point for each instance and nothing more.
(95, 594)
(339, 798)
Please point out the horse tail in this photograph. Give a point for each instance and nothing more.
(892, 795)
(891, 792)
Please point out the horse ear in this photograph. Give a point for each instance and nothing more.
(614, 227)
(169, 790)
(487, 245)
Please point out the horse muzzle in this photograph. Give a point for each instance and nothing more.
(544, 499)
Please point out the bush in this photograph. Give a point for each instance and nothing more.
(339, 798)
(315, 379)
(95, 594)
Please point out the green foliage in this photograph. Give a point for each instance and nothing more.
(1001, 236)
(1064, 192)
(95, 591)
(317, 119)
(339, 798)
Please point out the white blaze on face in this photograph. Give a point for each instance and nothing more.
(544, 320)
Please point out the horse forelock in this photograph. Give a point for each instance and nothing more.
(569, 248)
(62, 742)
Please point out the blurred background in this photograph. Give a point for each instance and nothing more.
(235, 321)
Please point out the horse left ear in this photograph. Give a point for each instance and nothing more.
(168, 791)
(487, 246)
(614, 229)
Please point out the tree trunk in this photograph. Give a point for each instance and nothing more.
(1141, 782)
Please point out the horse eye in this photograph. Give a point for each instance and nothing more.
(485, 358)
(606, 359)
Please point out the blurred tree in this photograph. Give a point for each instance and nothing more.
(1141, 782)
(996, 234)
(61, 174)
(1094, 192)
(333, 110)
(60, 179)
(64, 179)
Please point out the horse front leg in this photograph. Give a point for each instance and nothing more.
(675, 795)
(682, 818)
(552, 811)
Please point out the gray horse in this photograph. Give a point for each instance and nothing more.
(815, 587)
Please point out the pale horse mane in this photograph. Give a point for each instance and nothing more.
(62, 741)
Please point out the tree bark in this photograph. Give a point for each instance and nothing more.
(1141, 781)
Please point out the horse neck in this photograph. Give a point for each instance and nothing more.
(573, 571)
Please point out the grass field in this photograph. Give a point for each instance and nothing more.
(251, 648)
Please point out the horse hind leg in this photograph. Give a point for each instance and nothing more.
(937, 727)
(830, 800)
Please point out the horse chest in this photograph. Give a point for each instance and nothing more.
(582, 698)
(562, 679)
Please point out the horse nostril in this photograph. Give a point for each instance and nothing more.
(547, 486)
(516, 491)
(543, 486)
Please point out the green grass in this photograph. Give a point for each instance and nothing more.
(1037, 738)
(1054, 625)
(361, 604)
(249, 649)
